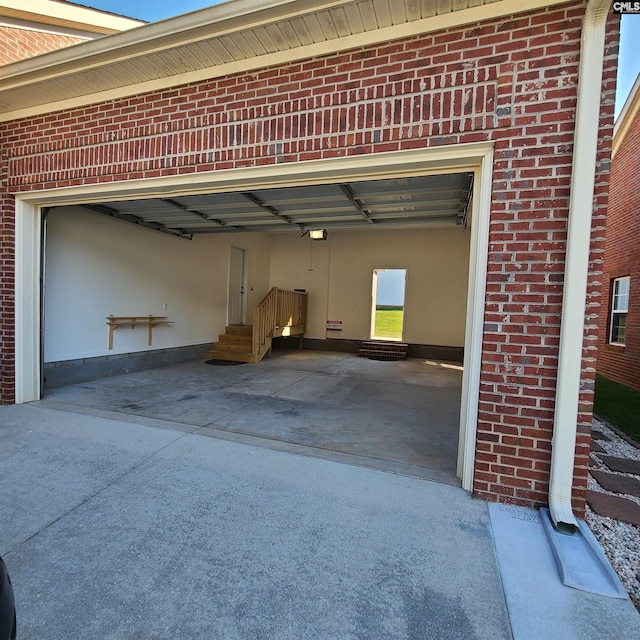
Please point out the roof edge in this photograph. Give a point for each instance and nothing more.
(250, 12)
(627, 115)
(67, 14)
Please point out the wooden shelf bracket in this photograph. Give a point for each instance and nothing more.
(113, 322)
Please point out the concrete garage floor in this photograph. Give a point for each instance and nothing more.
(396, 416)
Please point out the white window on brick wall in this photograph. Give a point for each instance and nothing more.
(619, 310)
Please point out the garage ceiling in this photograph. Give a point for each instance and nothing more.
(399, 202)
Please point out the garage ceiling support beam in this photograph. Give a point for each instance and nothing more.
(186, 209)
(355, 202)
(266, 207)
(156, 226)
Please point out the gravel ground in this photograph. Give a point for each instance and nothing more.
(620, 541)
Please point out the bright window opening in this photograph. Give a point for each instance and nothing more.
(387, 317)
(619, 310)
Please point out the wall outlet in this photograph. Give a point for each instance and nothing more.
(165, 306)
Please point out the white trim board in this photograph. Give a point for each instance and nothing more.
(476, 157)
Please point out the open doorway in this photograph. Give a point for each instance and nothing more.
(388, 304)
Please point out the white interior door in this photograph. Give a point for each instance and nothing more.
(236, 286)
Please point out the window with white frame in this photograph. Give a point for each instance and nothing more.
(619, 310)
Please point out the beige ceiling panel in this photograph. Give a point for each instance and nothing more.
(257, 47)
(277, 35)
(92, 80)
(182, 60)
(327, 25)
(170, 62)
(383, 12)
(398, 11)
(428, 8)
(302, 31)
(137, 70)
(265, 39)
(208, 52)
(352, 13)
(341, 22)
(314, 27)
(228, 48)
(287, 33)
(413, 9)
(368, 15)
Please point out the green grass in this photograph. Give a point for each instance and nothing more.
(389, 322)
(618, 405)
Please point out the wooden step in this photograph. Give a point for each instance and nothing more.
(236, 355)
(233, 357)
(239, 329)
(234, 344)
(230, 346)
(233, 338)
(381, 350)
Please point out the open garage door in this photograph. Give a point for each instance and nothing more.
(358, 213)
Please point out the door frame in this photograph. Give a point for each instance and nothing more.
(472, 157)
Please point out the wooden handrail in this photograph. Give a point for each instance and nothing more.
(279, 313)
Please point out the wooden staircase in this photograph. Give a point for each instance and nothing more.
(234, 344)
(280, 313)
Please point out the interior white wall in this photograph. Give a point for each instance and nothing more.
(96, 266)
(340, 282)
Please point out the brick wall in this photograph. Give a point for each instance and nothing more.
(622, 258)
(18, 44)
(510, 81)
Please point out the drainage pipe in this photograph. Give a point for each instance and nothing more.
(577, 265)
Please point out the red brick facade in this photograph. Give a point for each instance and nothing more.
(622, 258)
(513, 82)
(18, 44)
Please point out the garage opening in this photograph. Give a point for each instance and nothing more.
(144, 282)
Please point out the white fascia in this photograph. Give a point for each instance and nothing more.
(577, 265)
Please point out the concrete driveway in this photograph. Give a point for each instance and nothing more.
(142, 528)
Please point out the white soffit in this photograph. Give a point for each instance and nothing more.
(232, 37)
